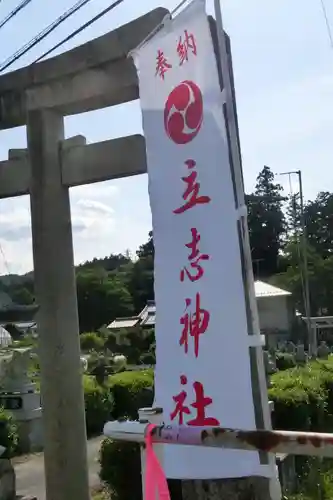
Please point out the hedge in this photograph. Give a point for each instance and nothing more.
(121, 397)
(131, 391)
(99, 405)
(121, 469)
(303, 397)
(120, 460)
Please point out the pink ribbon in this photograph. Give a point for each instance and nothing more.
(156, 486)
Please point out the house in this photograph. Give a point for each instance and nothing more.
(275, 311)
(146, 319)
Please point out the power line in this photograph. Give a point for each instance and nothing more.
(81, 28)
(328, 26)
(15, 11)
(43, 34)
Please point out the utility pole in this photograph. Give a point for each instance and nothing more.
(305, 271)
(311, 332)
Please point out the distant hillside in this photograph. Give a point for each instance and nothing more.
(111, 263)
(20, 286)
(9, 280)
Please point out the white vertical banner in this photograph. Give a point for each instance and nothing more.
(202, 375)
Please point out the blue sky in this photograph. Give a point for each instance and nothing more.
(283, 66)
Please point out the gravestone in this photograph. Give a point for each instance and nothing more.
(290, 347)
(323, 350)
(270, 366)
(300, 356)
(19, 396)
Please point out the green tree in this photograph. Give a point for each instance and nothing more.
(22, 296)
(111, 263)
(319, 223)
(147, 249)
(140, 275)
(266, 223)
(320, 279)
(101, 298)
(293, 215)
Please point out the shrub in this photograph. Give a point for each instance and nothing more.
(9, 438)
(131, 390)
(98, 405)
(285, 360)
(91, 341)
(121, 469)
(26, 341)
(302, 397)
(147, 358)
(100, 368)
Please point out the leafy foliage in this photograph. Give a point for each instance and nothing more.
(9, 438)
(98, 404)
(318, 216)
(91, 341)
(303, 397)
(267, 223)
(101, 298)
(121, 469)
(284, 361)
(131, 391)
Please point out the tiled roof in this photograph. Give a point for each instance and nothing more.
(124, 323)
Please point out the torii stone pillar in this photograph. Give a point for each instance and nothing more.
(55, 288)
(92, 76)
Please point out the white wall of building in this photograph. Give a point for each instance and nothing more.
(274, 313)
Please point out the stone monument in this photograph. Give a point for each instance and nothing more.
(301, 356)
(323, 350)
(19, 396)
(290, 347)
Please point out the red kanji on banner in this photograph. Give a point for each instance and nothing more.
(191, 193)
(194, 324)
(185, 45)
(162, 65)
(200, 404)
(195, 257)
(180, 408)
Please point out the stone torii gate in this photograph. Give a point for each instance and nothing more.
(92, 76)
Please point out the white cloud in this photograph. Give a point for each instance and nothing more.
(94, 207)
(105, 191)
